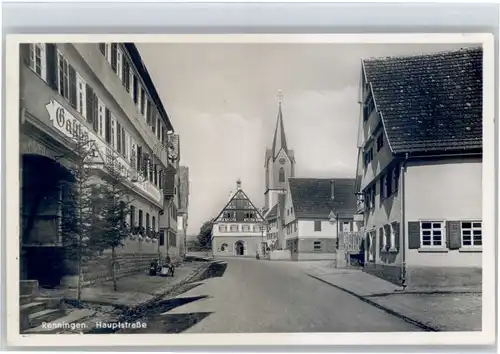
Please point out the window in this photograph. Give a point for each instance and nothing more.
(394, 231)
(63, 76)
(234, 227)
(124, 143)
(282, 175)
(147, 221)
(162, 237)
(38, 60)
(113, 133)
(380, 141)
(317, 225)
(119, 64)
(114, 56)
(382, 239)
(317, 246)
(126, 74)
(246, 228)
(472, 233)
(388, 183)
(222, 228)
(158, 127)
(101, 110)
(132, 216)
(135, 89)
(139, 158)
(81, 101)
(383, 187)
(90, 98)
(172, 239)
(102, 48)
(153, 224)
(397, 171)
(107, 125)
(140, 218)
(155, 173)
(368, 156)
(223, 248)
(346, 226)
(142, 102)
(431, 233)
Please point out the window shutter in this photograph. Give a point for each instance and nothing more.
(90, 103)
(51, 54)
(388, 234)
(396, 230)
(95, 112)
(72, 86)
(413, 235)
(453, 236)
(380, 238)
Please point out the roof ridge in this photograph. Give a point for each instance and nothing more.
(423, 54)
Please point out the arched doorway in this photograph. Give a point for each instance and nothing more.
(239, 248)
(44, 185)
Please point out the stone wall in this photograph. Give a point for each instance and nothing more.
(283, 255)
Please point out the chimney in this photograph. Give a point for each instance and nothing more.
(238, 184)
(332, 190)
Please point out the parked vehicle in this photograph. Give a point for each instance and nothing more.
(155, 268)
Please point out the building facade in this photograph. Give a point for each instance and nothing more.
(169, 243)
(420, 170)
(239, 229)
(183, 213)
(100, 93)
(317, 210)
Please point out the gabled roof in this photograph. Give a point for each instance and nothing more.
(311, 197)
(429, 102)
(238, 206)
(273, 212)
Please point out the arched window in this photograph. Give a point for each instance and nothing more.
(223, 248)
(282, 174)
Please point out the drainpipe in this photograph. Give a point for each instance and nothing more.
(403, 223)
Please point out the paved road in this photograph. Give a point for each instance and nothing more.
(260, 296)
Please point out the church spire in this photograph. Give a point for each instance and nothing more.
(279, 141)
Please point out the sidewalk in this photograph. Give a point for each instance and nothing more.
(454, 310)
(134, 294)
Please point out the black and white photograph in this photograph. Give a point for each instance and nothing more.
(250, 187)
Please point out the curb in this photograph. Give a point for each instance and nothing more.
(383, 308)
(131, 312)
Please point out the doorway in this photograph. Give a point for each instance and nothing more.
(240, 248)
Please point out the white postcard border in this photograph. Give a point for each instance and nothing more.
(486, 337)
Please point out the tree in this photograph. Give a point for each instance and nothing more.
(79, 204)
(204, 239)
(115, 208)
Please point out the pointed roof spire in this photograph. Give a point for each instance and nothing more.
(279, 140)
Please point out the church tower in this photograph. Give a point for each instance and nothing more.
(279, 163)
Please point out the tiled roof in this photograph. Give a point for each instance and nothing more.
(311, 197)
(429, 102)
(273, 212)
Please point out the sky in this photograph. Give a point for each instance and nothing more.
(222, 100)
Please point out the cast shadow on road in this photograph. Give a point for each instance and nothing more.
(170, 304)
(215, 270)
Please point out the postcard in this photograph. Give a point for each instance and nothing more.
(250, 189)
